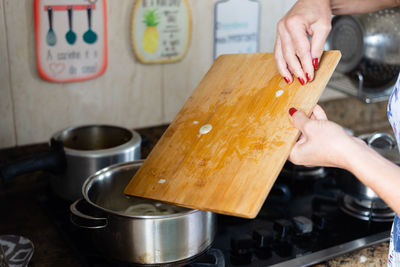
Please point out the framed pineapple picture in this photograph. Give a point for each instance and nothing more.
(161, 30)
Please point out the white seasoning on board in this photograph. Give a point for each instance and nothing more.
(279, 93)
(161, 181)
(205, 128)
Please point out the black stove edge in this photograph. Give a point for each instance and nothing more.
(335, 251)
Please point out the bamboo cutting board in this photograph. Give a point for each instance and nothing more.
(227, 145)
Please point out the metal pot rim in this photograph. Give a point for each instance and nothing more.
(135, 139)
(89, 181)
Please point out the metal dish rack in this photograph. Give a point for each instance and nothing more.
(345, 84)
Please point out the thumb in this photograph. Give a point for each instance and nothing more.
(298, 118)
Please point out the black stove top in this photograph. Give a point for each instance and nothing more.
(301, 223)
(306, 228)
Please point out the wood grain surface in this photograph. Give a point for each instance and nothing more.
(231, 168)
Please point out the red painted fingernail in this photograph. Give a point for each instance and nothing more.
(308, 77)
(301, 80)
(286, 79)
(315, 63)
(292, 111)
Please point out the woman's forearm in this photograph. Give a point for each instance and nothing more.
(342, 7)
(376, 172)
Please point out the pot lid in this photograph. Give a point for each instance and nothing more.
(384, 144)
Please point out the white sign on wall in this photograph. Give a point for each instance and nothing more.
(236, 27)
(71, 39)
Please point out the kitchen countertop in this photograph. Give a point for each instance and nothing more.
(21, 211)
(373, 256)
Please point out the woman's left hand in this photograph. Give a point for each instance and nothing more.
(322, 142)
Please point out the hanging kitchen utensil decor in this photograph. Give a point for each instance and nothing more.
(90, 37)
(227, 145)
(71, 39)
(70, 36)
(51, 37)
(161, 30)
(236, 27)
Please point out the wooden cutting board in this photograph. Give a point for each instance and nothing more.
(227, 145)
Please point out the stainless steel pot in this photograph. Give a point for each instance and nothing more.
(369, 46)
(78, 152)
(385, 145)
(139, 239)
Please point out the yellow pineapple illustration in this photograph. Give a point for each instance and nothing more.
(150, 37)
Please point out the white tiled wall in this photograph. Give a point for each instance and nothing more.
(7, 128)
(129, 94)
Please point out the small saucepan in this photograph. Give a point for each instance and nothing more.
(136, 230)
(76, 153)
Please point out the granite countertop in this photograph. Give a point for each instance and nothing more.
(22, 214)
(373, 256)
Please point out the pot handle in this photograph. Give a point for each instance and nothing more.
(82, 220)
(53, 161)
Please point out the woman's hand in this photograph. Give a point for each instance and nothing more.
(325, 143)
(294, 52)
(322, 142)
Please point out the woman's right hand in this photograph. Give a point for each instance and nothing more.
(294, 52)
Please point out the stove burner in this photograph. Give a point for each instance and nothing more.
(303, 172)
(367, 210)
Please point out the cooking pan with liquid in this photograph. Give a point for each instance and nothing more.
(135, 230)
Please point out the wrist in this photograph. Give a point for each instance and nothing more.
(358, 150)
(352, 149)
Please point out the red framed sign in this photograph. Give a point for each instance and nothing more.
(71, 39)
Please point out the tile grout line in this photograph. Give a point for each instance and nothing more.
(9, 74)
(163, 112)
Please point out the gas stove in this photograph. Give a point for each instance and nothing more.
(305, 220)
(302, 222)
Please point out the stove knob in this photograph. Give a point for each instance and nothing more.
(283, 228)
(263, 241)
(320, 220)
(241, 249)
(283, 248)
(308, 241)
(263, 253)
(302, 224)
(240, 242)
(262, 238)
